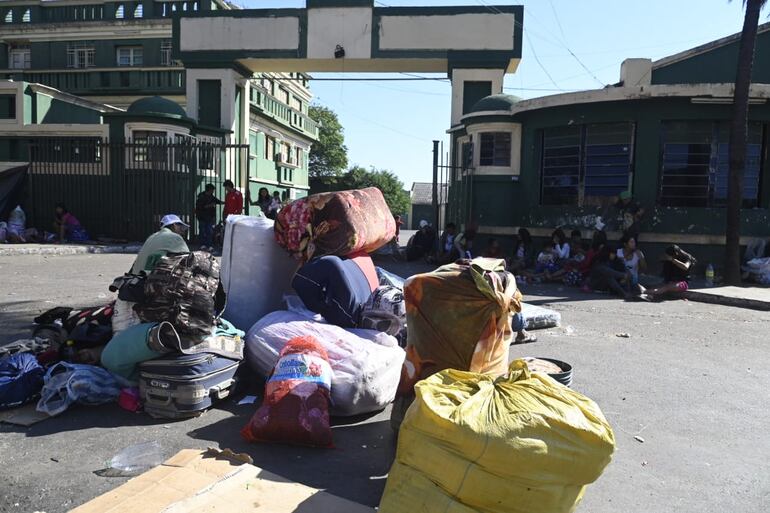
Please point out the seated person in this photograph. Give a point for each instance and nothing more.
(546, 259)
(609, 274)
(464, 243)
(522, 252)
(67, 226)
(169, 239)
(632, 257)
(677, 265)
(575, 242)
(16, 228)
(561, 246)
(420, 245)
(446, 247)
(493, 249)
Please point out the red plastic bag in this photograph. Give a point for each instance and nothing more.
(296, 405)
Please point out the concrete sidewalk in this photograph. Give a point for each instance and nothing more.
(755, 297)
(68, 249)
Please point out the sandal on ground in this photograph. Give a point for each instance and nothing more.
(527, 339)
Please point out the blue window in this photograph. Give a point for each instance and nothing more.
(695, 164)
(586, 164)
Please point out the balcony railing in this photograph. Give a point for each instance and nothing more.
(101, 81)
(279, 111)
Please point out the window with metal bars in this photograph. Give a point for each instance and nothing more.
(26, 17)
(19, 56)
(120, 11)
(165, 53)
(149, 146)
(586, 164)
(80, 55)
(695, 165)
(495, 149)
(129, 56)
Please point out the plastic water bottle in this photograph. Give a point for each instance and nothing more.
(709, 275)
(136, 459)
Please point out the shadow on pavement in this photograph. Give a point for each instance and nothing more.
(16, 321)
(355, 469)
(78, 417)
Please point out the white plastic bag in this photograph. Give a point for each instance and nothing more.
(366, 363)
(123, 316)
(256, 271)
(537, 317)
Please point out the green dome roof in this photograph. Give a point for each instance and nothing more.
(156, 105)
(495, 102)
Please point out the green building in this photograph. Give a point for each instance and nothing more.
(108, 55)
(661, 133)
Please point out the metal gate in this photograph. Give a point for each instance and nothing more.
(452, 189)
(119, 190)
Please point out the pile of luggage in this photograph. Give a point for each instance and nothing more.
(332, 335)
(161, 345)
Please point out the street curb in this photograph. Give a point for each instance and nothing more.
(70, 250)
(715, 299)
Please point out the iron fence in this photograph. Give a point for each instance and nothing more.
(121, 189)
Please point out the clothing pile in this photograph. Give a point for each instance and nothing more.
(163, 335)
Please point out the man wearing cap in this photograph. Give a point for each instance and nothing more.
(166, 240)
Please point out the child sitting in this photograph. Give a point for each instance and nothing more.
(546, 259)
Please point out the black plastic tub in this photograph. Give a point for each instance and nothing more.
(564, 377)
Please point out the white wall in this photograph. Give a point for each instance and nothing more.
(350, 27)
(460, 76)
(224, 33)
(452, 32)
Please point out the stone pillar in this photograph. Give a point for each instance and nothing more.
(470, 85)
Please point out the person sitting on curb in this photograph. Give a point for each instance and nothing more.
(677, 264)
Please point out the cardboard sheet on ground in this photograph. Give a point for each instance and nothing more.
(25, 416)
(194, 481)
(537, 317)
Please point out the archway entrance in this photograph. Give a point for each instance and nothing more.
(222, 50)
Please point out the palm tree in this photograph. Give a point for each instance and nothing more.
(738, 131)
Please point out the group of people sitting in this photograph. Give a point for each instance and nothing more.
(595, 265)
(66, 228)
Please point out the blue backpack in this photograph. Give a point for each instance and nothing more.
(21, 379)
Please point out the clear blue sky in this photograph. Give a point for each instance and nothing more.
(390, 125)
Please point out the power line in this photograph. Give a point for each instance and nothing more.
(526, 34)
(566, 46)
(561, 29)
(386, 127)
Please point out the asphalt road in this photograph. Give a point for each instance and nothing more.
(691, 380)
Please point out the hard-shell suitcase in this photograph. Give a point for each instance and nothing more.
(178, 386)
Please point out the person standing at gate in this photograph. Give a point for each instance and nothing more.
(264, 200)
(233, 201)
(206, 213)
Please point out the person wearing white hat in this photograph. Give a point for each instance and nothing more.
(166, 240)
(169, 239)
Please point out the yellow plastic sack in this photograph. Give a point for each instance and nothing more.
(521, 443)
